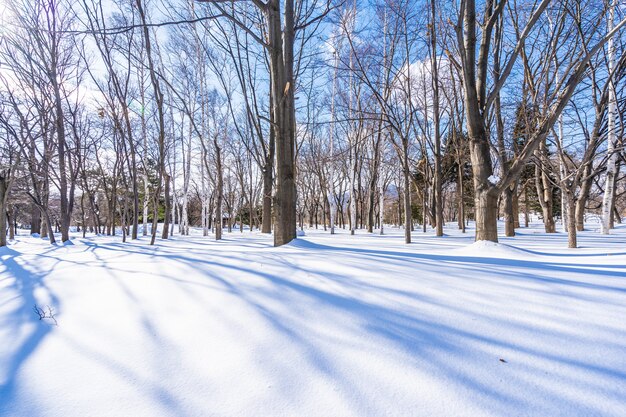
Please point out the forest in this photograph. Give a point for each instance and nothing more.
(118, 116)
(312, 208)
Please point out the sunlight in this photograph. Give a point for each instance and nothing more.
(311, 208)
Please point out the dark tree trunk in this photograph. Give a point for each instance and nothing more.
(281, 44)
(437, 180)
(613, 209)
(509, 216)
(581, 202)
(11, 214)
(82, 214)
(486, 195)
(515, 207)
(4, 193)
(158, 94)
(35, 219)
(166, 219)
(66, 204)
(408, 220)
(266, 226)
(268, 177)
(571, 222)
(526, 209)
(486, 213)
(544, 190)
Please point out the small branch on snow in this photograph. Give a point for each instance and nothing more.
(43, 314)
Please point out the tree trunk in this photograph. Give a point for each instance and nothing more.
(44, 228)
(614, 202)
(437, 182)
(219, 190)
(166, 214)
(509, 216)
(35, 219)
(66, 210)
(581, 202)
(47, 225)
(516, 223)
(158, 94)
(371, 206)
(12, 223)
(571, 227)
(4, 193)
(408, 220)
(609, 187)
(486, 198)
(266, 226)
(544, 191)
(82, 214)
(526, 209)
(283, 104)
(353, 164)
(486, 213)
(381, 204)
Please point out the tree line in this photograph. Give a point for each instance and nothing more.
(224, 114)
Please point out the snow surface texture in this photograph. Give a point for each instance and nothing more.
(326, 326)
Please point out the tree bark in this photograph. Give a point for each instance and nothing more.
(4, 195)
(486, 213)
(509, 217)
(283, 104)
(266, 216)
(437, 182)
(609, 187)
(460, 197)
(158, 94)
(544, 191)
(571, 227)
(166, 214)
(408, 220)
(583, 196)
(516, 223)
(219, 190)
(35, 219)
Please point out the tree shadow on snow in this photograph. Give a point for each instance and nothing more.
(289, 304)
(22, 327)
(432, 345)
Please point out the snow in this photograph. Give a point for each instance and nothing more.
(329, 325)
(493, 179)
(496, 250)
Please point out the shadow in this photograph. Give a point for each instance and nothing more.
(438, 321)
(534, 264)
(427, 340)
(423, 339)
(22, 324)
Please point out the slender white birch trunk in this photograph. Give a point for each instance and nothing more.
(351, 133)
(205, 208)
(144, 136)
(331, 169)
(187, 176)
(607, 200)
(381, 188)
(174, 202)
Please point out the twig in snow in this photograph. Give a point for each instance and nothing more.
(43, 314)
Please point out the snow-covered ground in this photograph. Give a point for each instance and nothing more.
(326, 326)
